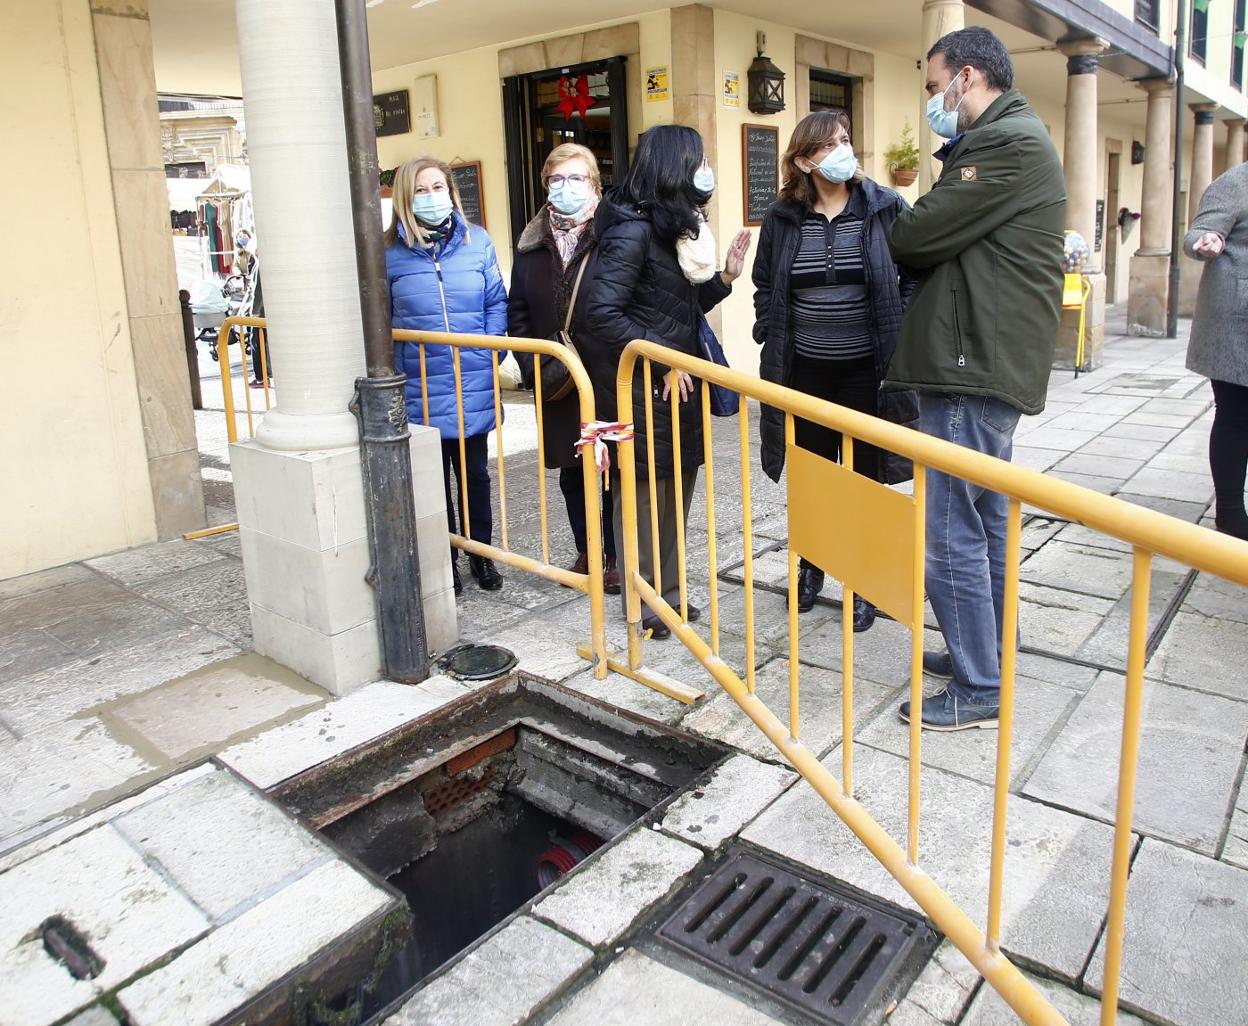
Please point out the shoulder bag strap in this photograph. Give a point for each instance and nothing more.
(576, 288)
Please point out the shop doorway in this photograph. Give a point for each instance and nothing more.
(1111, 232)
(585, 104)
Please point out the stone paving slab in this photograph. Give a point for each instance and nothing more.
(625, 694)
(1056, 869)
(1235, 850)
(1191, 748)
(721, 719)
(544, 649)
(1186, 939)
(206, 708)
(940, 992)
(34, 702)
(1204, 652)
(635, 989)
(336, 728)
(97, 1016)
(1038, 707)
(102, 886)
(1056, 620)
(771, 616)
(736, 792)
(502, 982)
(50, 839)
(137, 566)
(1109, 644)
(205, 837)
(604, 897)
(1082, 568)
(43, 580)
(241, 959)
(69, 766)
(989, 1009)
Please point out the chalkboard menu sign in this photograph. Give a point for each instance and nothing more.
(391, 115)
(468, 182)
(760, 170)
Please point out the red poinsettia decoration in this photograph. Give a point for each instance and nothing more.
(574, 96)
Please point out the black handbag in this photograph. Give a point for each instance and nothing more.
(724, 401)
(556, 380)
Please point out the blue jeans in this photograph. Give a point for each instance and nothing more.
(966, 541)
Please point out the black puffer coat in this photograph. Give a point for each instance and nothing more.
(638, 290)
(889, 286)
(541, 288)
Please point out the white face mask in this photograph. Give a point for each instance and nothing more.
(704, 179)
(839, 165)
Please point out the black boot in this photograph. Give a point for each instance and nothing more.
(455, 578)
(864, 614)
(809, 584)
(486, 573)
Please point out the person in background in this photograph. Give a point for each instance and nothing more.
(654, 271)
(552, 251)
(1218, 348)
(444, 276)
(977, 342)
(828, 300)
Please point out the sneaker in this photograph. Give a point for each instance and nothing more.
(938, 664)
(944, 711)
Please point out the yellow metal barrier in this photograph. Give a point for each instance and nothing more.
(589, 583)
(829, 501)
(232, 329)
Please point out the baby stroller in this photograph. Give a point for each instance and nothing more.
(210, 307)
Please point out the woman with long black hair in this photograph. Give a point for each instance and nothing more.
(654, 275)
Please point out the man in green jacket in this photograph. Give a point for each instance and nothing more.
(977, 341)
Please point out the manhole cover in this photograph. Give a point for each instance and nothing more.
(812, 946)
(478, 662)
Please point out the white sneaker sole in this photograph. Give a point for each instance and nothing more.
(976, 724)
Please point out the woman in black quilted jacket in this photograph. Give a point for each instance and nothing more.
(654, 273)
(828, 302)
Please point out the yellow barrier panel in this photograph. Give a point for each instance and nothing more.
(589, 583)
(891, 574)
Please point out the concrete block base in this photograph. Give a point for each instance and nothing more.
(305, 554)
(1094, 330)
(1189, 284)
(1147, 294)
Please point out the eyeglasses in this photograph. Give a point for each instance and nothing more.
(554, 181)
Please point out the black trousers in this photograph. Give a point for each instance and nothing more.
(480, 514)
(572, 485)
(1228, 453)
(852, 383)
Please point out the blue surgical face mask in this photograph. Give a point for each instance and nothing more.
(432, 208)
(704, 179)
(569, 197)
(944, 122)
(839, 165)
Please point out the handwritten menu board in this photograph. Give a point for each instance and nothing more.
(760, 170)
(468, 182)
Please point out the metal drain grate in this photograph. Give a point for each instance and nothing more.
(811, 946)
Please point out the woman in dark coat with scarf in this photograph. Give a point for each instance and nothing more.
(828, 302)
(552, 251)
(654, 273)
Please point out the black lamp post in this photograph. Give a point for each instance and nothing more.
(766, 83)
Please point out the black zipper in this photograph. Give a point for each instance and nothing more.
(957, 327)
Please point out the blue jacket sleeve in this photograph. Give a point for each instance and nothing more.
(495, 294)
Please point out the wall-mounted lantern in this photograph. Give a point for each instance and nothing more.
(766, 83)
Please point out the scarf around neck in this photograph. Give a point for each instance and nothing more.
(698, 256)
(566, 229)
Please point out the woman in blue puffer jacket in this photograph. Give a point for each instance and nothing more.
(444, 277)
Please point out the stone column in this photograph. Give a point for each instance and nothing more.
(1082, 147)
(298, 486)
(939, 17)
(1198, 182)
(123, 43)
(1234, 142)
(1149, 282)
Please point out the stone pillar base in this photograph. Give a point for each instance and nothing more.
(1147, 294)
(1189, 284)
(305, 553)
(1094, 330)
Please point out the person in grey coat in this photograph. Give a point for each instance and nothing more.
(1219, 344)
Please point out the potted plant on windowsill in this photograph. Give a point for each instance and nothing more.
(902, 158)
